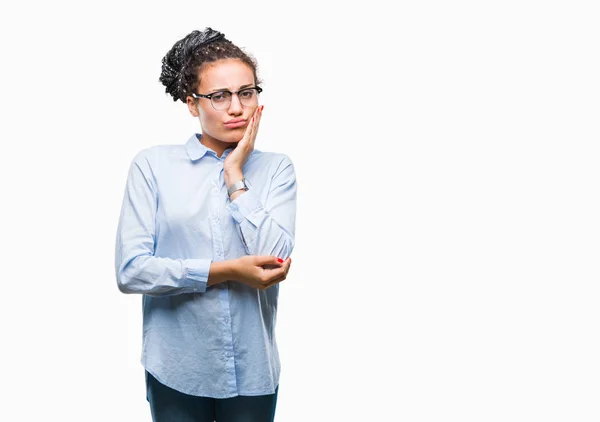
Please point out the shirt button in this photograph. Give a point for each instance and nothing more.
(227, 320)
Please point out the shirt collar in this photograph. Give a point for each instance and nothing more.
(194, 148)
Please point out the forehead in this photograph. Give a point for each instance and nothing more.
(230, 73)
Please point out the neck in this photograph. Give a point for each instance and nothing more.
(217, 146)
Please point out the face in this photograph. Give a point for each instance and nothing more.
(231, 75)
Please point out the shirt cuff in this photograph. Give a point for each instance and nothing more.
(244, 206)
(196, 274)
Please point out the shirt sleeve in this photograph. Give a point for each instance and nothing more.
(267, 226)
(137, 269)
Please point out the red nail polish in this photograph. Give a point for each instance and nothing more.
(262, 107)
(279, 260)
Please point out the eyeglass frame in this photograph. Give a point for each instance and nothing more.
(209, 96)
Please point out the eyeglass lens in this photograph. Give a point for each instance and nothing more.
(222, 100)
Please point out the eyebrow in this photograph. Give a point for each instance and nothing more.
(227, 89)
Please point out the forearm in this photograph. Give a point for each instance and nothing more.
(264, 232)
(158, 276)
(255, 271)
(230, 177)
(266, 213)
(221, 271)
(264, 236)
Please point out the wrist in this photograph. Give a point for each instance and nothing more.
(232, 176)
(235, 194)
(221, 271)
(234, 269)
(237, 187)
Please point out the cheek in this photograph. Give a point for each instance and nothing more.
(208, 121)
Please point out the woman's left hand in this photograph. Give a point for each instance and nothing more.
(235, 160)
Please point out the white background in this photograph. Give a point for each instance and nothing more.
(446, 261)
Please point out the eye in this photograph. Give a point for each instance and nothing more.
(220, 96)
(246, 93)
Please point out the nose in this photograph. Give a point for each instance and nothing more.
(236, 106)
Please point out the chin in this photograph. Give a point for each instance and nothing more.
(232, 137)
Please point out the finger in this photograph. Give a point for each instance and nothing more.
(254, 122)
(250, 127)
(269, 260)
(286, 265)
(277, 280)
(259, 112)
(247, 138)
(275, 274)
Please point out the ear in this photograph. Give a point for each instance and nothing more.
(192, 106)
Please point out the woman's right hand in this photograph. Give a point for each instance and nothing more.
(234, 162)
(260, 272)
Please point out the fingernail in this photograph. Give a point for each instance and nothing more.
(262, 107)
(279, 260)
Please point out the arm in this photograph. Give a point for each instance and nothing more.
(260, 272)
(267, 228)
(137, 269)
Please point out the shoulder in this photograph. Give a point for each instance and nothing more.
(273, 159)
(274, 165)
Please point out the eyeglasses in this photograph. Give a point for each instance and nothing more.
(221, 100)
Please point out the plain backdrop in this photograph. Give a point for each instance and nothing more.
(447, 238)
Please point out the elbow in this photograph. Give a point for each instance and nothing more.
(132, 274)
(124, 283)
(128, 277)
(289, 248)
(284, 247)
(279, 243)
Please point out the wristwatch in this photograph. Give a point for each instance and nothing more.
(240, 184)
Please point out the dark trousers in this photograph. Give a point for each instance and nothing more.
(168, 405)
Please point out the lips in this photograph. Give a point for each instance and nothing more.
(235, 123)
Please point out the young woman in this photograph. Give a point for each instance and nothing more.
(205, 235)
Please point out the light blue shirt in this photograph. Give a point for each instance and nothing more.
(176, 219)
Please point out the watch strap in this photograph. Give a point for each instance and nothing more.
(240, 184)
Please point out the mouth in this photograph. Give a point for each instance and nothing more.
(235, 123)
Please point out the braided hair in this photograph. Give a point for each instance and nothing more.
(183, 62)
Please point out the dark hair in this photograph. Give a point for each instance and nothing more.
(183, 62)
